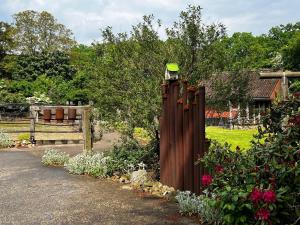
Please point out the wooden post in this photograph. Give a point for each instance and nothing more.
(81, 119)
(87, 135)
(32, 123)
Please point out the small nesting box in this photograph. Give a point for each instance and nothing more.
(59, 115)
(172, 71)
(71, 114)
(47, 115)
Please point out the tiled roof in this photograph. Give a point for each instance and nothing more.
(259, 88)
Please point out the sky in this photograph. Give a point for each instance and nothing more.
(86, 17)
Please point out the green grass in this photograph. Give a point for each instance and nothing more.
(239, 138)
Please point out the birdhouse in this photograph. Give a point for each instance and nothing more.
(172, 71)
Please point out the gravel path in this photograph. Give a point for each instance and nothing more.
(34, 194)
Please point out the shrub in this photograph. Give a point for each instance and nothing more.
(262, 186)
(5, 141)
(77, 164)
(53, 157)
(24, 137)
(190, 204)
(97, 165)
(94, 165)
(129, 154)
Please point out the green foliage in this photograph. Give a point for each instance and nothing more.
(129, 154)
(40, 32)
(53, 157)
(190, 204)
(5, 141)
(24, 137)
(191, 43)
(291, 53)
(263, 185)
(52, 64)
(94, 165)
(6, 45)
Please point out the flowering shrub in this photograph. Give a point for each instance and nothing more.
(5, 141)
(260, 186)
(94, 165)
(53, 157)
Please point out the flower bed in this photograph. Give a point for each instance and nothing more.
(260, 186)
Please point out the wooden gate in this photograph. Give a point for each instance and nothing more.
(182, 135)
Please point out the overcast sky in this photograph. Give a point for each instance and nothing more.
(86, 17)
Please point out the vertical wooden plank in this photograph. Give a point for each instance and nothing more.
(163, 136)
(196, 143)
(87, 147)
(179, 145)
(202, 143)
(190, 157)
(186, 147)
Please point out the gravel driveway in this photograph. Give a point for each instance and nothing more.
(31, 193)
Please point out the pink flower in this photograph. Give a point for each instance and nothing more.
(269, 196)
(206, 180)
(256, 195)
(262, 214)
(219, 169)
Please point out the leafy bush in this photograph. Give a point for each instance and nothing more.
(129, 154)
(5, 141)
(24, 137)
(190, 204)
(94, 165)
(262, 186)
(97, 165)
(77, 164)
(53, 157)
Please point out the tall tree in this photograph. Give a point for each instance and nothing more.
(6, 46)
(40, 32)
(192, 42)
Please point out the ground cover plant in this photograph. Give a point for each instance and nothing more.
(260, 186)
(241, 138)
(5, 141)
(53, 157)
(94, 165)
(130, 154)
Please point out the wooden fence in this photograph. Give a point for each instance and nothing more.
(182, 135)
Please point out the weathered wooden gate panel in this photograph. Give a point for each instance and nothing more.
(182, 135)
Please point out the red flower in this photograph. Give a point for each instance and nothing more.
(206, 180)
(297, 94)
(262, 214)
(256, 195)
(219, 169)
(269, 196)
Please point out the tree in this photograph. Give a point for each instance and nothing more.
(40, 32)
(127, 76)
(291, 53)
(192, 43)
(6, 46)
(53, 64)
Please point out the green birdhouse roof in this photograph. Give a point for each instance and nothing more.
(172, 67)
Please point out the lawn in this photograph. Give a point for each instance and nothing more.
(239, 138)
